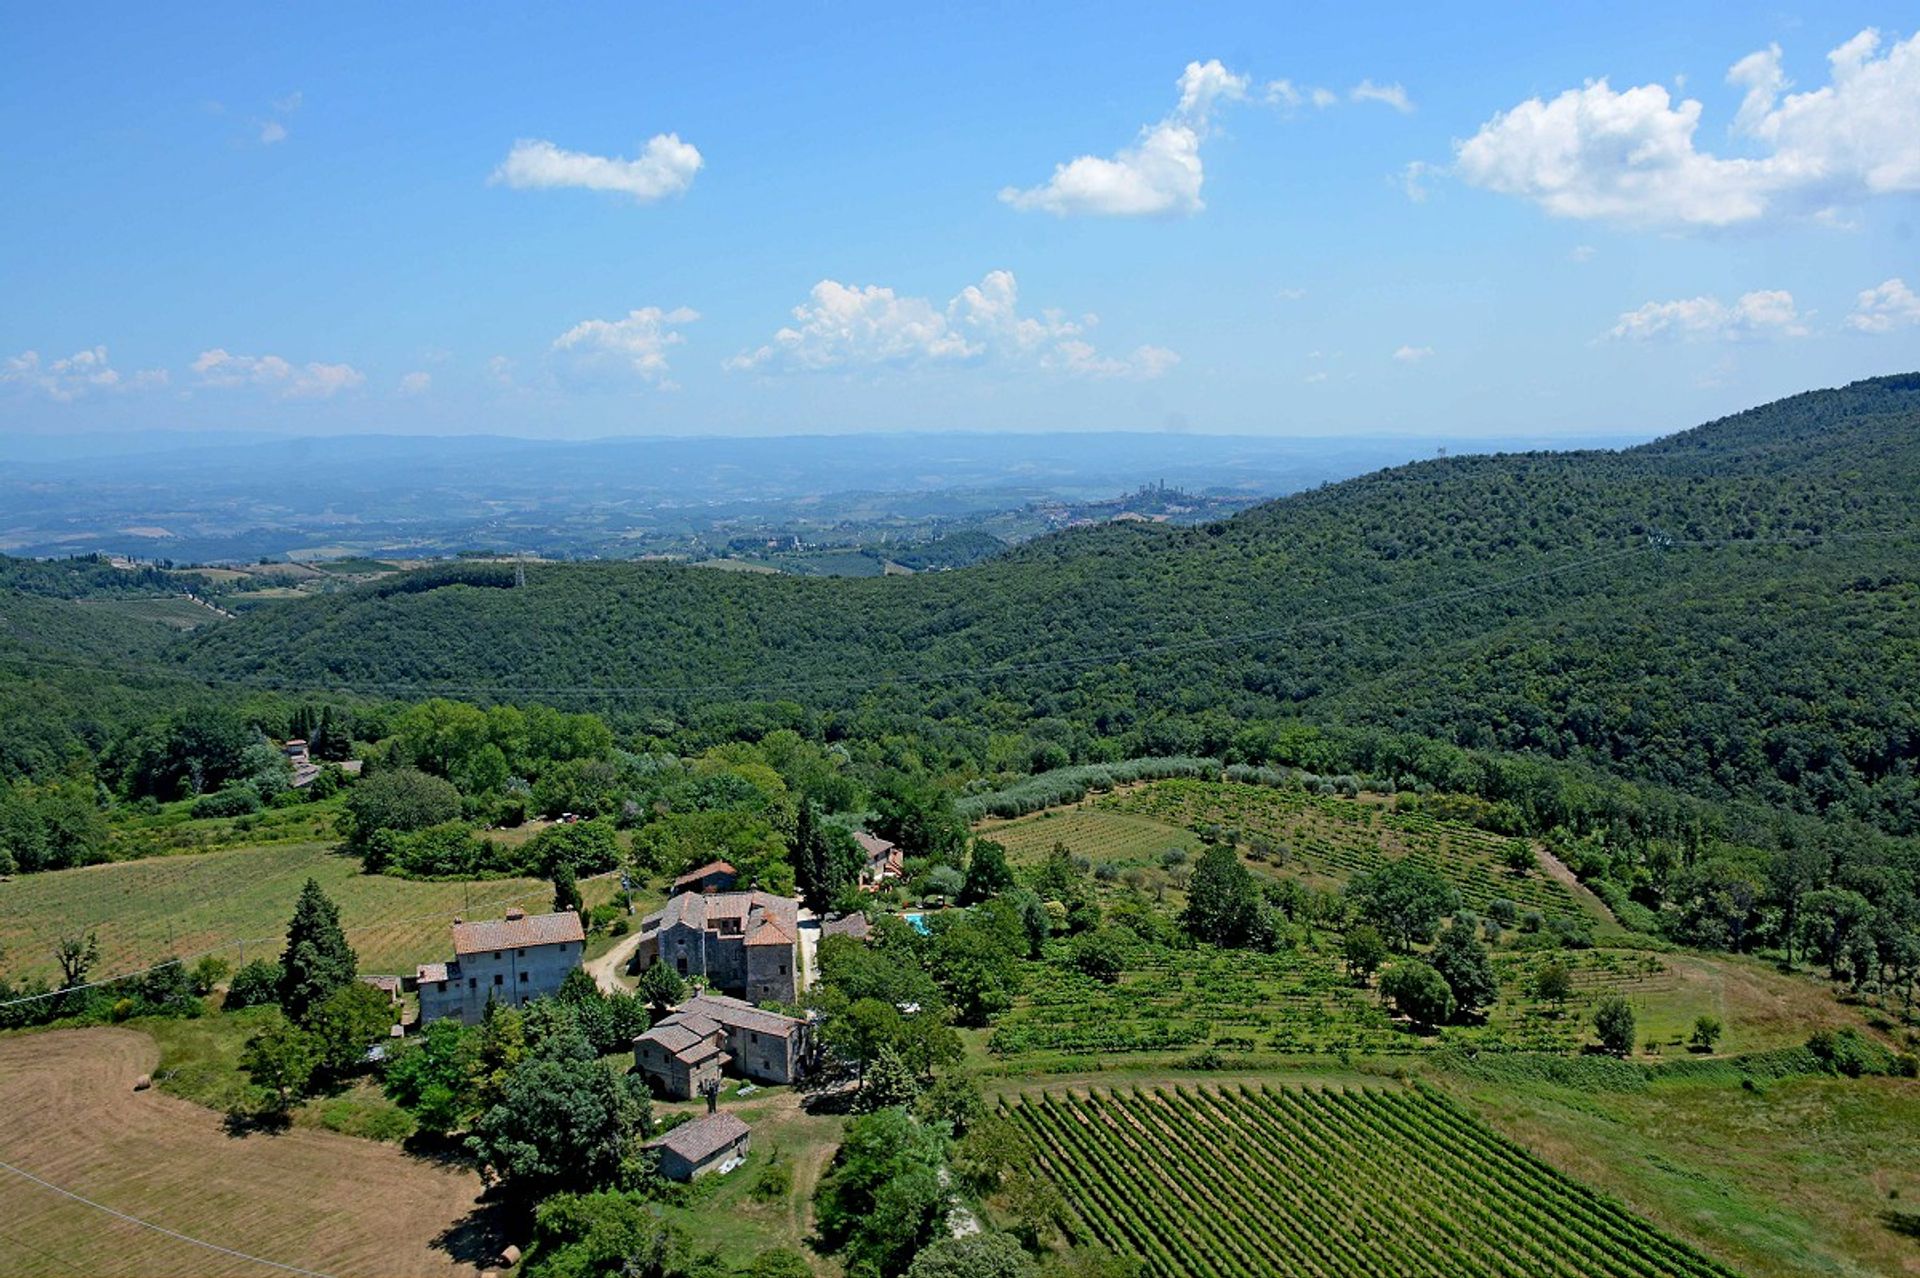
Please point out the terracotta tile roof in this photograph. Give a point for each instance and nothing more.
(854, 925)
(695, 1022)
(517, 933)
(711, 867)
(704, 910)
(703, 1137)
(430, 972)
(876, 848)
(769, 933)
(680, 1042)
(736, 1013)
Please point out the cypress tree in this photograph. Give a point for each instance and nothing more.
(566, 887)
(808, 856)
(318, 960)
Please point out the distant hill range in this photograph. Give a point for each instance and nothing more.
(1734, 610)
(205, 499)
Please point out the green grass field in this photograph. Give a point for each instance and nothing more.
(1807, 1176)
(146, 910)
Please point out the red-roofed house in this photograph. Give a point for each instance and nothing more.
(509, 960)
(714, 876)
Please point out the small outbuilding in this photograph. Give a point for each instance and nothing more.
(713, 1143)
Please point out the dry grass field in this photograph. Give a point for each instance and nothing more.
(323, 1203)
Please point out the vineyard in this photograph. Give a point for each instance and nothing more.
(1297, 1002)
(145, 911)
(1100, 835)
(1335, 838)
(1237, 1182)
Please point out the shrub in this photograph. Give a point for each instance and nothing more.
(774, 1183)
(1706, 1032)
(256, 984)
(1613, 1021)
(234, 800)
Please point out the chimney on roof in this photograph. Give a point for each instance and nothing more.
(515, 913)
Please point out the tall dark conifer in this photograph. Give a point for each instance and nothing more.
(318, 959)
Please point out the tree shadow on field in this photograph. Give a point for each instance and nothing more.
(839, 1099)
(477, 1238)
(240, 1124)
(1904, 1223)
(438, 1149)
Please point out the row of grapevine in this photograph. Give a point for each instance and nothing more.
(1239, 1182)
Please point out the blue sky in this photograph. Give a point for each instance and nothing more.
(767, 219)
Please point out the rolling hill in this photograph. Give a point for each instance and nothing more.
(1730, 611)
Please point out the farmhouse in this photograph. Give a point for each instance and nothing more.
(714, 876)
(884, 860)
(710, 1033)
(742, 942)
(716, 1142)
(509, 960)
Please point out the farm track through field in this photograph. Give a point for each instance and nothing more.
(332, 1204)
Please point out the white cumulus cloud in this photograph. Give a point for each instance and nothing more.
(1764, 313)
(1630, 156)
(637, 344)
(73, 376)
(1159, 175)
(1413, 354)
(1885, 307)
(665, 166)
(416, 383)
(224, 370)
(844, 326)
(1393, 95)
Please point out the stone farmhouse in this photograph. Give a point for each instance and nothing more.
(742, 942)
(509, 961)
(884, 860)
(710, 1034)
(713, 1143)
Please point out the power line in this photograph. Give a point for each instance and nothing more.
(162, 1229)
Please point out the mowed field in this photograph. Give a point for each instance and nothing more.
(149, 909)
(1235, 1182)
(324, 1203)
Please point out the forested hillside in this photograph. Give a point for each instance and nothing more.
(1730, 611)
